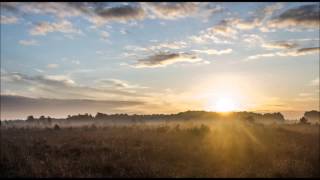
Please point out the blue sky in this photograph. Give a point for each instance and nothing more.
(170, 56)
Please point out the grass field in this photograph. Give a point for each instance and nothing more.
(220, 149)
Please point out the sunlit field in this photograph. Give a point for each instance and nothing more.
(217, 149)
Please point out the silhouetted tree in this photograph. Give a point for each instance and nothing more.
(49, 119)
(249, 119)
(56, 127)
(30, 118)
(304, 120)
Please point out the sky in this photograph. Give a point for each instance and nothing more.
(146, 58)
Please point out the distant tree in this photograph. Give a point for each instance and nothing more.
(303, 120)
(30, 118)
(42, 118)
(100, 116)
(56, 127)
(249, 119)
(49, 119)
(312, 116)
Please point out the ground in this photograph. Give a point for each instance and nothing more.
(221, 149)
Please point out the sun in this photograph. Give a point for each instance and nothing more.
(225, 104)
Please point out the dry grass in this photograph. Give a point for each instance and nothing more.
(222, 149)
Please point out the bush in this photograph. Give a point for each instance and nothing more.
(304, 120)
(200, 131)
(56, 127)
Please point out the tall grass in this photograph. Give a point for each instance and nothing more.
(221, 149)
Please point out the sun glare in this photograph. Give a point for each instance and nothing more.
(224, 104)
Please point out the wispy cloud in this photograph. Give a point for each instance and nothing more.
(100, 13)
(214, 52)
(8, 19)
(258, 18)
(172, 10)
(104, 35)
(30, 42)
(51, 66)
(315, 82)
(298, 52)
(305, 16)
(63, 87)
(63, 26)
(120, 14)
(117, 83)
(279, 45)
(164, 59)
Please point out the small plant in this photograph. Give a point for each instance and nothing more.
(56, 127)
(200, 131)
(304, 120)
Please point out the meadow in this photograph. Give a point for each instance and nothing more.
(216, 149)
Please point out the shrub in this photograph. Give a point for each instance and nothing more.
(200, 131)
(56, 127)
(303, 120)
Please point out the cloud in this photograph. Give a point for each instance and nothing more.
(214, 52)
(208, 37)
(123, 31)
(117, 83)
(164, 59)
(51, 66)
(9, 7)
(119, 14)
(224, 28)
(308, 50)
(157, 48)
(297, 52)
(75, 62)
(96, 12)
(177, 10)
(63, 26)
(252, 39)
(100, 13)
(172, 10)
(305, 16)
(279, 45)
(258, 56)
(258, 18)
(315, 82)
(104, 35)
(305, 94)
(8, 19)
(228, 29)
(255, 40)
(20, 107)
(39, 70)
(60, 10)
(169, 45)
(61, 86)
(31, 42)
(220, 33)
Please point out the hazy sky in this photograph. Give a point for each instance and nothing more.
(162, 57)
